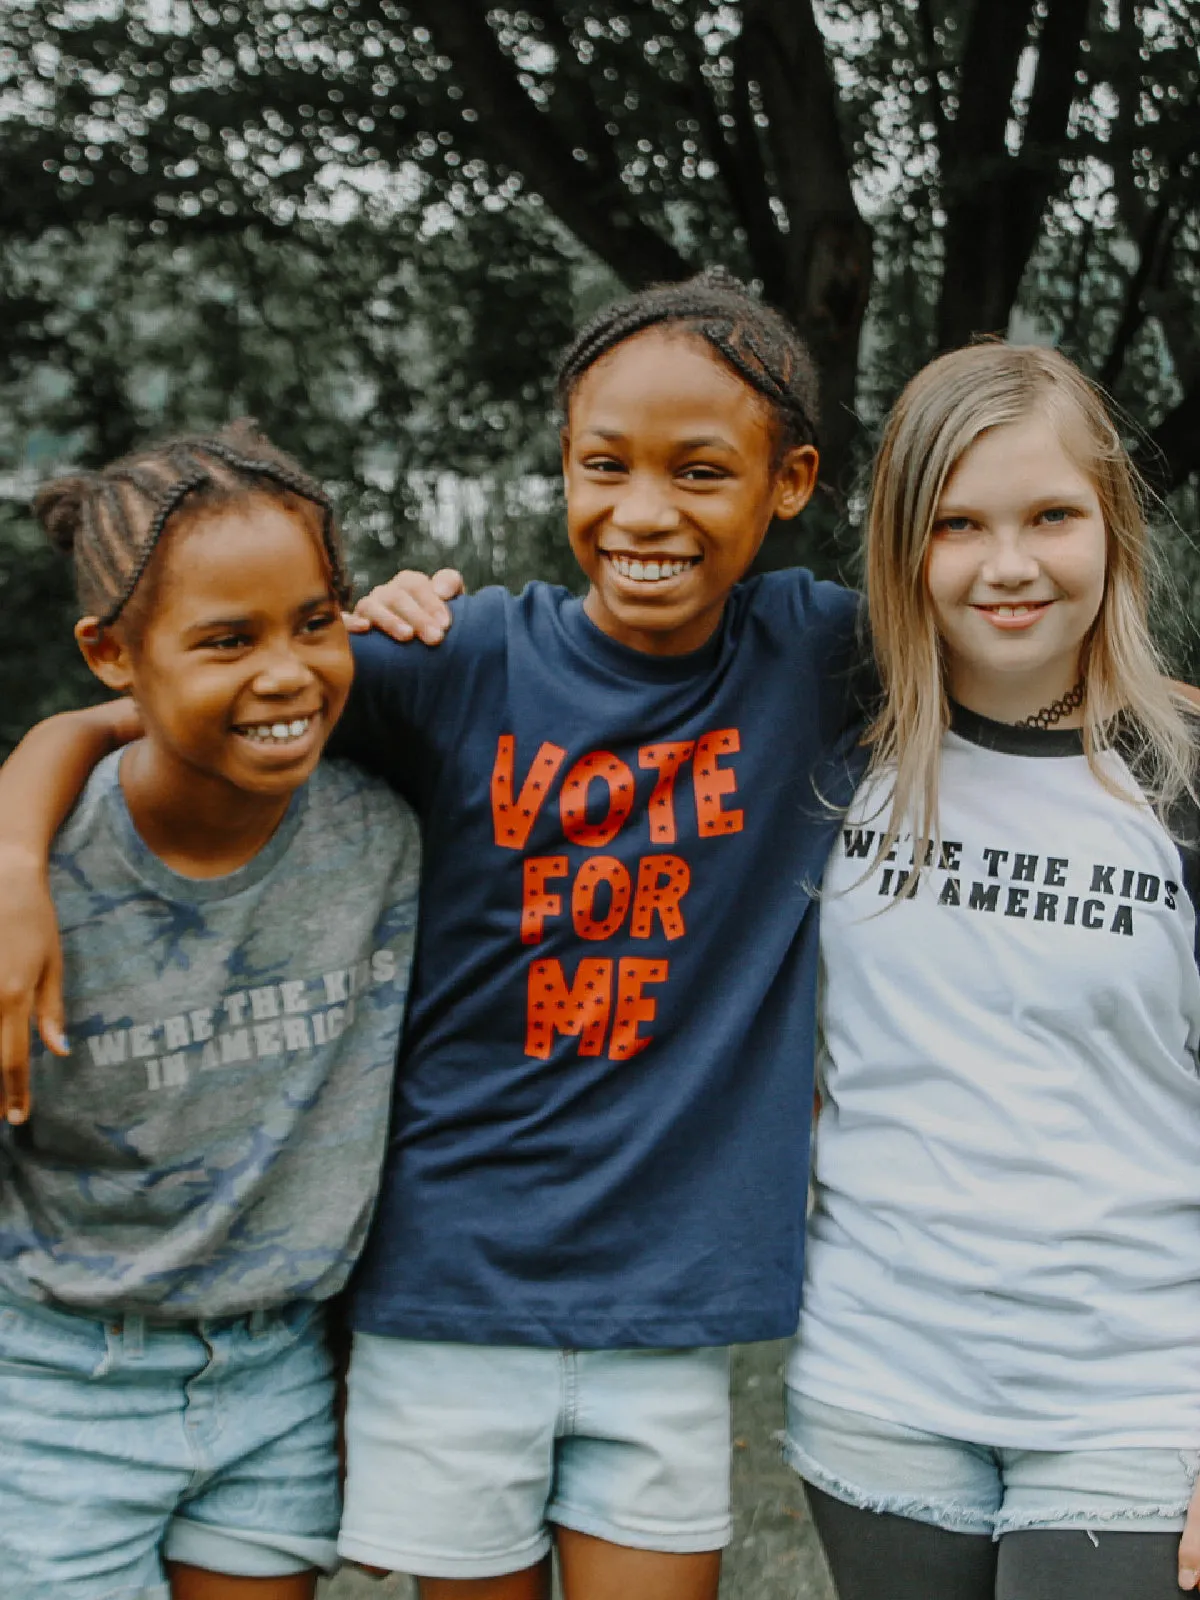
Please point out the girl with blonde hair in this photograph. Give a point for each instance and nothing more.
(995, 1392)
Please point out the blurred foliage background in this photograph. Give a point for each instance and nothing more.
(372, 225)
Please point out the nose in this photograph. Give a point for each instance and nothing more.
(644, 506)
(282, 672)
(1009, 563)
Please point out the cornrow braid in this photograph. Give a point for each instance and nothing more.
(144, 548)
(112, 521)
(754, 340)
(287, 475)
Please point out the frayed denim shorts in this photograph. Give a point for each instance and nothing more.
(972, 1488)
(460, 1457)
(125, 1444)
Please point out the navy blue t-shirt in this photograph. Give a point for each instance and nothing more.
(601, 1118)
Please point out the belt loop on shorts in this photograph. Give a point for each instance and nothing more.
(256, 1322)
(133, 1331)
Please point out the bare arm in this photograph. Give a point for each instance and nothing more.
(39, 784)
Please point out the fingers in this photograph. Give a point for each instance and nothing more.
(354, 623)
(390, 616)
(409, 606)
(1189, 1545)
(49, 1008)
(14, 1062)
(448, 582)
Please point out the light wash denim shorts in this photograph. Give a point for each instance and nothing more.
(459, 1456)
(124, 1444)
(971, 1488)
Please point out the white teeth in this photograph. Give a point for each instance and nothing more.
(276, 732)
(648, 571)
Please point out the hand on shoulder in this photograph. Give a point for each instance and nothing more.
(411, 605)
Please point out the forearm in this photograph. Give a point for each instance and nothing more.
(42, 779)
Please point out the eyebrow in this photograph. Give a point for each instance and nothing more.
(1060, 495)
(701, 442)
(212, 623)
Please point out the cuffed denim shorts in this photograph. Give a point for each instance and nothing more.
(459, 1456)
(123, 1445)
(972, 1488)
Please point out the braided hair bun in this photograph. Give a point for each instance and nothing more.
(59, 507)
(113, 520)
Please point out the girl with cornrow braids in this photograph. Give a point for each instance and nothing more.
(1003, 487)
(598, 1163)
(192, 1182)
(597, 1171)
(596, 1175)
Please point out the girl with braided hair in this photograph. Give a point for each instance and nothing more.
(598, 1164)
(194, 1179)
(596, 1174)
(994, 1390)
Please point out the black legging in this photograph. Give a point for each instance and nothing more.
(877, 1556)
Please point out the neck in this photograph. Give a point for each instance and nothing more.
(196, 824)
(1012, 700)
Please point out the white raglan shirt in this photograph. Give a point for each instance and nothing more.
(1005, 1240)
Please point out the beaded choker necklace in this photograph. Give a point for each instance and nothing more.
(1056, 710)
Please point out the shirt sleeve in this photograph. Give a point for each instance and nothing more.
(409, 702)
(828, 622)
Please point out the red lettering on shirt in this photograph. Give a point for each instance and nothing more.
(661, 885)
(573, 801)
(600, 870)
(666, 759)
(538, 902)
(632, 1006)
(512, 820)
(606, 1006)
(581, 1010)
(712, 781)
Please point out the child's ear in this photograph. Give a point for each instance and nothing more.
(796, 480)
(105, 652)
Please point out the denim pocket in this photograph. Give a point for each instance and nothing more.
(37, 1340)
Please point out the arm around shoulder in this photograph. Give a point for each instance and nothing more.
(42, 779)
(39, 784)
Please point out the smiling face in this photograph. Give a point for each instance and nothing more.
(1016, 568)
(671, 483)
(243, 664)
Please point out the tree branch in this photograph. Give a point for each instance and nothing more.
(1172, 453)
(739, 161)
(1158, 236)
(1039, 165)
(994, 200)
(599, 213)
(571, 81)
(937, 111)
(1079, 278)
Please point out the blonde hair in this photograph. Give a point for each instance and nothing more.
(940, 414)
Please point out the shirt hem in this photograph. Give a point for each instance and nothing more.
(985, 1431)
(632, 1331)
